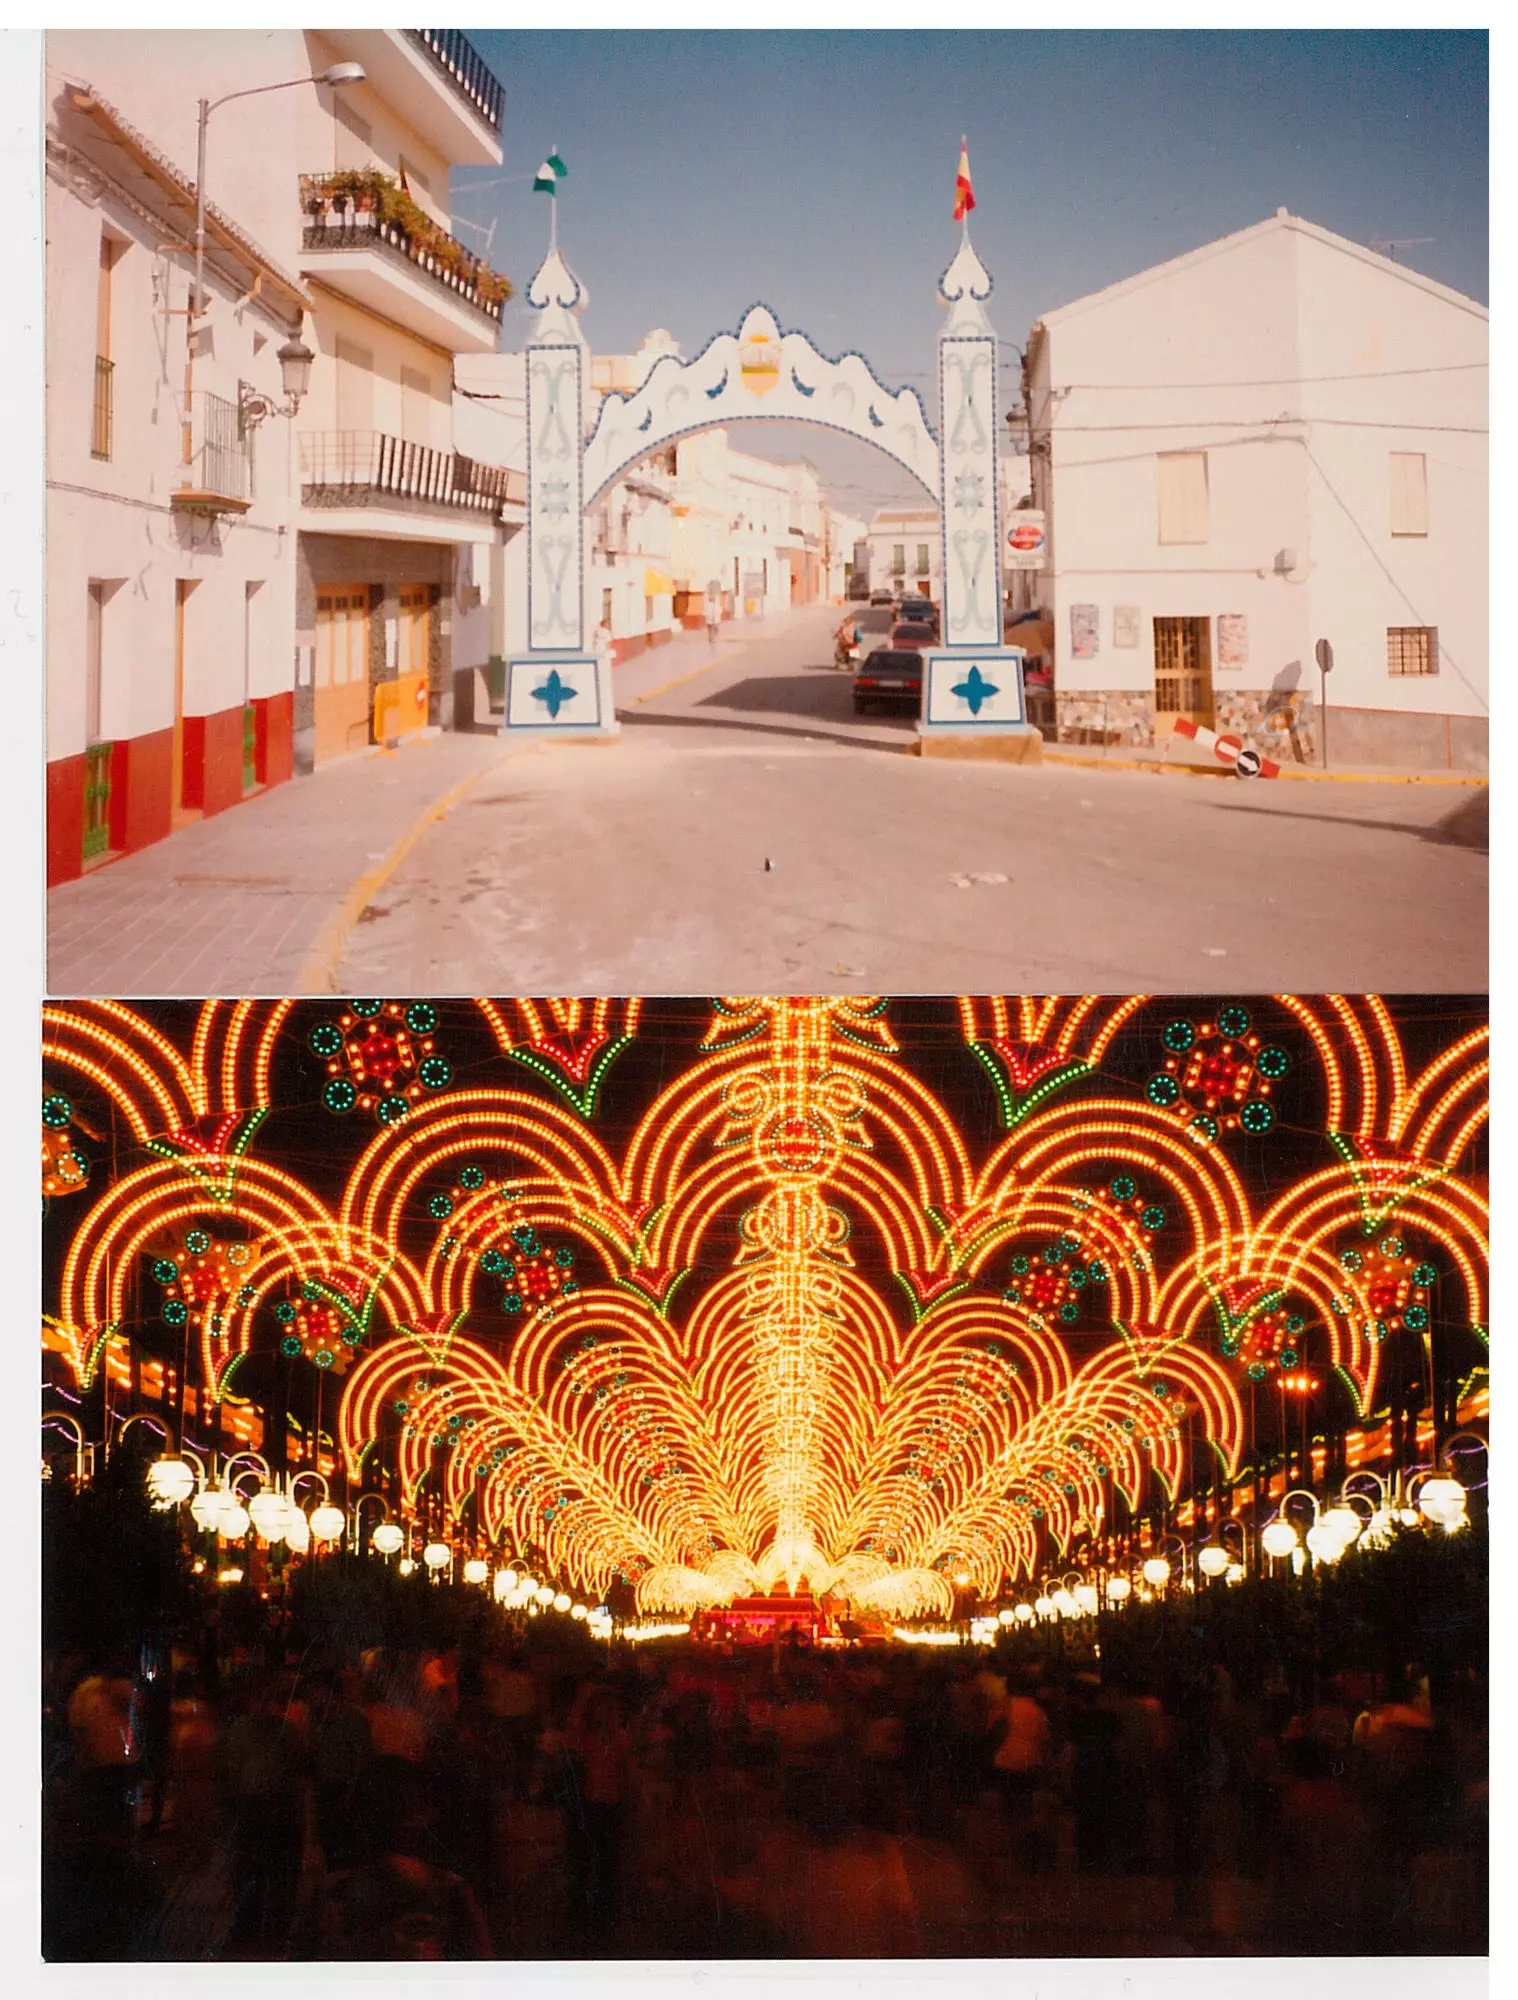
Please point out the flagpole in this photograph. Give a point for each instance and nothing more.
(553, 204)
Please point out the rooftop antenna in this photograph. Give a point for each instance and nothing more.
(1390, 245)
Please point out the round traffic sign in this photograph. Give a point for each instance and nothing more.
(1025, 536)
(1227, 748)
(1247, 763)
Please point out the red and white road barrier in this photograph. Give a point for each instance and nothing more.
(1228, 750)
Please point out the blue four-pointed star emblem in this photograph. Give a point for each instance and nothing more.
(554, 693)
(975, 690)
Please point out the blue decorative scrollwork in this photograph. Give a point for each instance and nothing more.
(648, 418)
(805, 391)
(876, 421)
(717, 391)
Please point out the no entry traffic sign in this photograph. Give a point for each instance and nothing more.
(1228, 750)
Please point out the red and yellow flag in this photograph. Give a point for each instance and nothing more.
(964, 193)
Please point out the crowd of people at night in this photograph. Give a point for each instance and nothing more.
(516, 1795)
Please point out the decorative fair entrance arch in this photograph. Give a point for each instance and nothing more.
(577, 448)
(759, 373)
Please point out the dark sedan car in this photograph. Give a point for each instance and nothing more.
(890, 678)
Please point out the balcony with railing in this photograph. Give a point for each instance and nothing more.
(217, 473)
(370, 468)
(466, 70)
(365, 236)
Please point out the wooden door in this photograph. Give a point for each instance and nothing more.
(1182, 674)
(405, 699)
(341, 691)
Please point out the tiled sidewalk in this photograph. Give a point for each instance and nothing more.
(244, 903)
(239, 904)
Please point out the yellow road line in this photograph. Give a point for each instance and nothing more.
(734, 645)
(1053, 756)
(320, 975)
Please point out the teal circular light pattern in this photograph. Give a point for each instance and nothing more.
(175, 1312)
(493, 1261)
(197, 1243)
(290, 1345)
(1234, 1020)
(325, 1040)
(1163, 1091)
(1123, 1188)
(56, 1111)
(1424, 1275)
(440, 1205)
(472, 1178)
(391, 1108)
(1153, 1216)
(1257, 1116)
(165, 1271)
(1272, 1063)
(435, 1073)
(339, 1095)
(284, 1311)
(366, 1009)
(421, 1017)
(1179, 1036)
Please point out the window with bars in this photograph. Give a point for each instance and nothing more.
(899, 559)
(1412, 649)
(922, 559)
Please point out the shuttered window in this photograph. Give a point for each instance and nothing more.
(1409, 493)
(1182, 495)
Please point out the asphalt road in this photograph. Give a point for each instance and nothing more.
(747, 833)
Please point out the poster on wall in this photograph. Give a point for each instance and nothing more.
(1085, 631)
(1125, 625)
(1233, 640)
(1025, 540)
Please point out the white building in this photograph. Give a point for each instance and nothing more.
(490, 601)
(396, 524)
(845, 536)
(170, 503)
(1279, 438)
(906, 552)
(233, 595)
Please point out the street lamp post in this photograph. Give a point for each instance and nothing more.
(335, 77)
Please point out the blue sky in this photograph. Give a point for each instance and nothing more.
(815, 171)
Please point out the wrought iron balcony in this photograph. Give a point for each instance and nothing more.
(217, 476)
(366, 468)
(472, 79)
(368, 211)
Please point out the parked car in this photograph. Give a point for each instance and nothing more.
(880, 597)
(916, 607)
(890, 678)
(912, 632)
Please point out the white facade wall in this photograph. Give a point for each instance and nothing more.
(1297, 363)
(109, 520)
(489, 420)
(908, 529)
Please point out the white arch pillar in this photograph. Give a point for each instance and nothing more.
(972, 684)
(558, 687)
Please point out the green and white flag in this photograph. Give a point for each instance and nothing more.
(549, 175)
